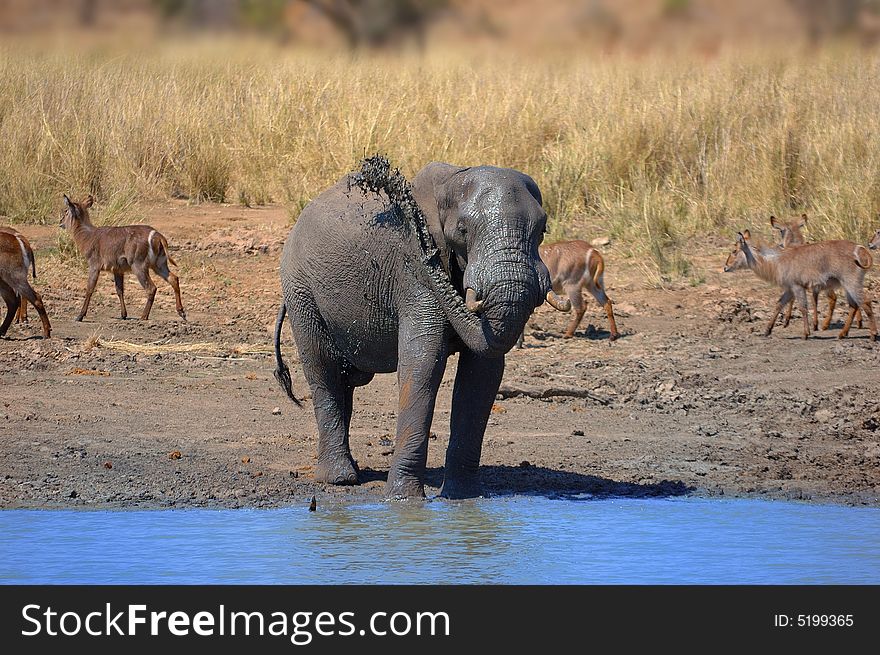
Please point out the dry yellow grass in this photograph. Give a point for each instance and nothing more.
(651, 152)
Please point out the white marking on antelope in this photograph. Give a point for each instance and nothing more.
(152, 254)
(24, 252)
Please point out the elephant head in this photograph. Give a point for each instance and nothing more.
(487, 224)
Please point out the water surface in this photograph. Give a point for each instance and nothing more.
(521, 540)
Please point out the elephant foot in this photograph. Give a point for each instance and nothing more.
(401, 487)
(340, 471)
(461, 486)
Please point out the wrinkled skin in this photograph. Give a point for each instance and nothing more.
(361, 302)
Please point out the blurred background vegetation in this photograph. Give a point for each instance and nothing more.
(651, 121)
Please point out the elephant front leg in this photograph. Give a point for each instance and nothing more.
(419, 373)
(476, 383)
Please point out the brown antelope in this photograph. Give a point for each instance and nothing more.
(827, 265)
(16, 262)
(576, 265)
(21, 315)
(131, 248)
(790, 235)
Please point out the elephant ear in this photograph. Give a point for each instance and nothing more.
(432, 192)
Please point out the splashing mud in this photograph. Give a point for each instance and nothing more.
(376, 175)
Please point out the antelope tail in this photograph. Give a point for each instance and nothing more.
(600, 265)
(163, 246)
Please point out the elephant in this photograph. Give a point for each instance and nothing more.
(380, 276)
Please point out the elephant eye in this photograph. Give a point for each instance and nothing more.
(460, 227)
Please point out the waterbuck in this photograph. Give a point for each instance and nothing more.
(138, 249)
(21, 315)
(790, 235)
(826, 265)
(16, 262)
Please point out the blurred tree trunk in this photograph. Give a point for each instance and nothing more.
(375, 23)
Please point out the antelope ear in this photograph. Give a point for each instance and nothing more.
(773, 222)
(740, 239)
(67, 202)
(746, 235)
(89, 201)
(803, 220)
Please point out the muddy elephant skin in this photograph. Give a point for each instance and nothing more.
(361, 300)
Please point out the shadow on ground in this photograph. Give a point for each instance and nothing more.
(532, 480)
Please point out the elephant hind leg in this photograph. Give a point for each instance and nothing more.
(332, 393)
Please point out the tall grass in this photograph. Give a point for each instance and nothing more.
(650, 152)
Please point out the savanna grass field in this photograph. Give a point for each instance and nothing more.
(664, 158)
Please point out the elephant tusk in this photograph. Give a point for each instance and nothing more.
(558, 302)
(470, 300)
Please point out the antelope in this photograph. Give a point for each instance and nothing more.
(21, 315)
(134, 249)
(827, 265)
(576, 265)
(875, 242)
(16, 262)
(790, 236)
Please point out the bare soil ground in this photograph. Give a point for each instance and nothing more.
(691, 400)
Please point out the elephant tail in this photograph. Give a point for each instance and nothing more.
(282, 373)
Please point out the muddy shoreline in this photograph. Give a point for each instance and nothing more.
(691, 400)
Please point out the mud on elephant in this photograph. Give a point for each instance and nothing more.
(378, 276)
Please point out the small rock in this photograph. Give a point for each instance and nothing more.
(108, 465)
(598, 242)
(245, 460)
(577, 433)
(73, 494)
(276, 411)
(175, 454)
(525, 464)
(386, 453)
(823, 415)
(385, 441)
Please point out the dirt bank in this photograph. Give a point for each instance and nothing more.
(690, 400)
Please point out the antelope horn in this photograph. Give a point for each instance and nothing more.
(558, 302)
(470, 300)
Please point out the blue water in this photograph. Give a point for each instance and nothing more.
(521, 540)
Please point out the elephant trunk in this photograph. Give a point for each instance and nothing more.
(474, 331)
(557, 302)
(490, 324)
